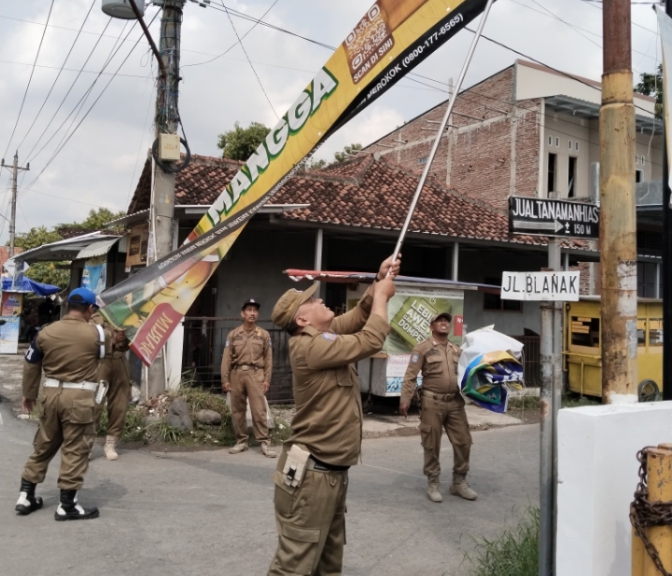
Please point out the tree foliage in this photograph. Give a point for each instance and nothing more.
(239, 143)
(97, 219)
(348, 152)
(652, 85)
(58, 273)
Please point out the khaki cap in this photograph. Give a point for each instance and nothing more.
(445, 315)
(287, 305)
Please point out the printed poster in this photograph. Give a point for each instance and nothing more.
(9, 334)
(12, 304)
(390, 40)
(94, 276)
(410, 311)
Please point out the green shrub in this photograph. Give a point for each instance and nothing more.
(515, 552)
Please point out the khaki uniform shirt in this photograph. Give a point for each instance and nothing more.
(328, 419)
(247, 348)
(438, 365)
(113, 349)
(67, 350)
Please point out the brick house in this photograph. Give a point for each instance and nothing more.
(345, 217)
(528, 130)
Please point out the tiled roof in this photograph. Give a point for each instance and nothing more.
(364, 192)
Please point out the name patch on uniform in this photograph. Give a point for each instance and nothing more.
(329, 336)
(414, 358)
(227, 344)
(270, 343)
(34, 355)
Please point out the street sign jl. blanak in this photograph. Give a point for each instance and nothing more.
(548, 217)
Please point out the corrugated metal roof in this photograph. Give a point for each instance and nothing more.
(99, 248)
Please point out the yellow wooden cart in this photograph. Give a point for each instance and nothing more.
(583, 337)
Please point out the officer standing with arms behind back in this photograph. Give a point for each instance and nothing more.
(442, 407)
(311, 478)
(69, 352)
(247, 365)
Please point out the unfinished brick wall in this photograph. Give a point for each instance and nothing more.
(481, 163)
(489, 99)
(527, 148)
(474, 155)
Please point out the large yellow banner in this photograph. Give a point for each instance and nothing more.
(391, 39)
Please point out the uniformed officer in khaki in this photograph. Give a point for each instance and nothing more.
(311, 479)
(116, 371)
(442, 407)
(247, 365)
(69, 352)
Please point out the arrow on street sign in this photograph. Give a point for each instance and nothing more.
(521, 225)
(549, 217)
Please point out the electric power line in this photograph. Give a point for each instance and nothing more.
(74, 131)
(53, 85)
(30, 79)
(82, 100)
(261, 85)
(30, 156)
(232, 45)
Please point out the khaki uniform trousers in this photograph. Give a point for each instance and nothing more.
(450, 415)
(248, 384)
(66, 422)
(311, 524)
(118, 375)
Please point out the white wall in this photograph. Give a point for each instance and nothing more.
(597, 477)
(531, 82)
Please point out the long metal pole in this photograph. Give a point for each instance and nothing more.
(442, 129)
(667, 264)
(618, 234)
(546, 491)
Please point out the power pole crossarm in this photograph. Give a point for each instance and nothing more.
(15, 186)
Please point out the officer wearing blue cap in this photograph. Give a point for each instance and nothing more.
(69, 352)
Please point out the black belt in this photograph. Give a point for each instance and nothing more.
(324, 467)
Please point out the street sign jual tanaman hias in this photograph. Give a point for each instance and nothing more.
(541, 286)
(391, 39)
(549, 217)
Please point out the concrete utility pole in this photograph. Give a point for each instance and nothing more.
(12, 219)
(165, 122)
(618, 225)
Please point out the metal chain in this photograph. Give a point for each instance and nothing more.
(645, 514)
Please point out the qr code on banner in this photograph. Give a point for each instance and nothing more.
(370, 40)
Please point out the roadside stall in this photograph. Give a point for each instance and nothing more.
(410, 310)
(12, 309)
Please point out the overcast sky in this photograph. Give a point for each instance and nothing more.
(100, 163)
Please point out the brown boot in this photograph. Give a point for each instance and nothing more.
(110, 448)
(461, 488)
(267, 451)
(238, 448)
(433, 490)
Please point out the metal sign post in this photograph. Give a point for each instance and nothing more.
(551, 288)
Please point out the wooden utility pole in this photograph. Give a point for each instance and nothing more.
(15, 186)
(163, 190)
(618, 223)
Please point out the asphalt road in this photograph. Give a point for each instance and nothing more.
(209, 513)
